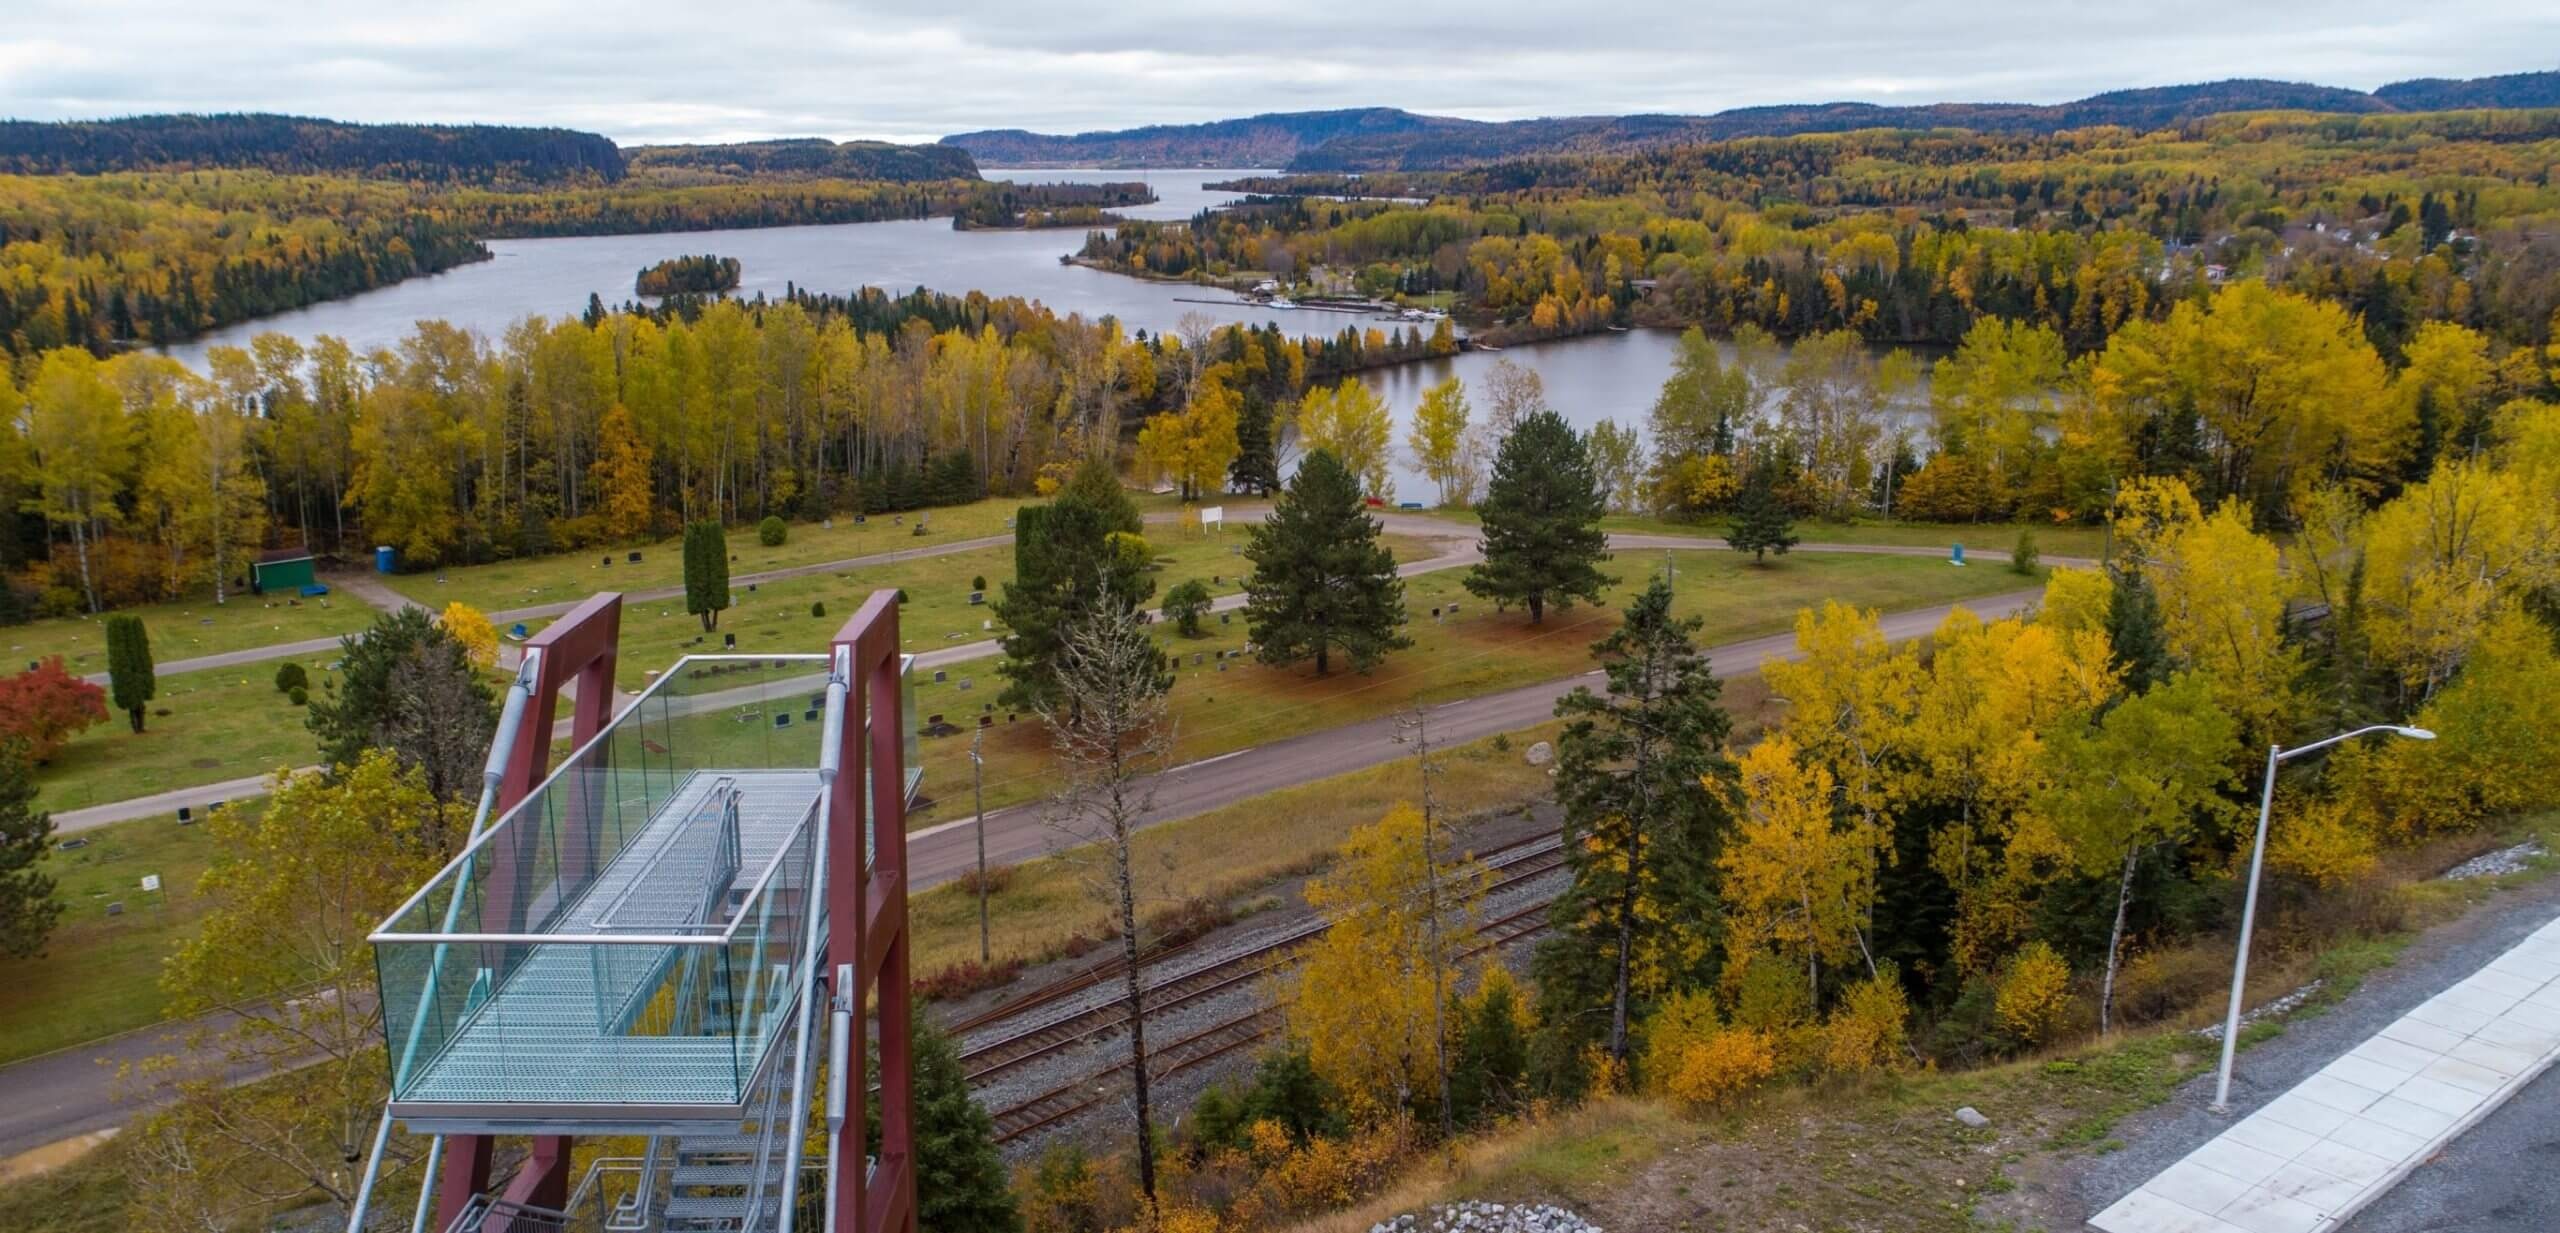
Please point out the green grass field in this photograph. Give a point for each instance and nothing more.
(223, 723)
(100, 974)
(1478, 651)
(187, 629)
(524, 583)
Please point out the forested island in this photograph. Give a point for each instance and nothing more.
(704, 275)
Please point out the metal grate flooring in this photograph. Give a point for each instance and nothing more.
(541, 1037)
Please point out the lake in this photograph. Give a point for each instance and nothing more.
(1612, 376)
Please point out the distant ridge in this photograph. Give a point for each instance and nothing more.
(808, 158)
(1388, 139)
(473, 153)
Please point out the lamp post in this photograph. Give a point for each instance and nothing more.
(2249, 904)
(978, 789)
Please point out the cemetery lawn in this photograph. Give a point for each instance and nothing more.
(1988, 542)
(223, 723)
(187, 628)
(100, 974)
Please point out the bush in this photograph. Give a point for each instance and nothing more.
(978, 583)
(773, 531)
(2159, 984)
(818, 608)
(291, 677)
(1187, 603)
(2035, 994)
(1867, 1030)
(1130, 552)
(966, 977)
(902, 595)
(997, 878)
(299, 695)
(1725, 1065)
(2022, 558)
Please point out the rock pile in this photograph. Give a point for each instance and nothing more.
(1477, 1217)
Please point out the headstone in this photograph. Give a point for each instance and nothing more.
(859, 519)
(782, 719)
(977, 597)
(116, 908)
(1224, 617)
(986, 721)
(185, 815)
(73, 845)
(151, 881)
(810, 715)
(751, 587)
(939, 676)
(967, 682)
(1195, 659)
(729, 641)
(607, 563)
(635, 556)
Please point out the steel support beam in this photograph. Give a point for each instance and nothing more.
(867, 922)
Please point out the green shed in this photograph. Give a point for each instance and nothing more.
(285, 570)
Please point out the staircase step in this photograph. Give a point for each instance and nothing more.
(701, 1210)
(747, 1144)
(691, 1176)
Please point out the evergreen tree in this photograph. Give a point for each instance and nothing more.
(1541, 512)
(1321, 580)
(1256, 468)
(706, 571)
(400, 680)
(961, 1182)
(28, 908)
(2135, 634)
(1493, 1058)
(1640, 774)
(131, 681)
(1760, 522)
(1063, 564)
(1095, 484)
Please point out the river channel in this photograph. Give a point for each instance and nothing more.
(1612, 376)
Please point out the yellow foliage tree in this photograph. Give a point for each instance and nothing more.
(1363, 1005)
(1438, 440)
(1795, 883)
(1351, 422)
(1869, 1030)
(620, 475)
(2444, 555)
(2496, 750)
(478, 637)
(1195, 445)
(2222, 594)
(2076, 600)
(2034, 995)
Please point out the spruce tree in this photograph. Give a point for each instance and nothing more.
(961, 1183)
(1321, 580)
(2134, 632)
(1639, 774)
(28, 908)
(1095, 484)
(1257, 466)
(1541, 512)
(1760, 522)
(706, 571)
(131, 680)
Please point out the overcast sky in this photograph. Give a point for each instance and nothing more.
(914, 70)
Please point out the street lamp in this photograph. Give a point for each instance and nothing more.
(2249, 904)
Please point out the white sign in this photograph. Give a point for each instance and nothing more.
(151, 881)
(1213, 516)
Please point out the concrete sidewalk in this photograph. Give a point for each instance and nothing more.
(2340, 1139)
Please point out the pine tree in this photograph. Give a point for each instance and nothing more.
(706, 571)
(1096, 485)
(1760, 522)
(1321, 581)
(1640, 774)
(961, 1183)
(131, 681)
(1541, 512)
(28, 908)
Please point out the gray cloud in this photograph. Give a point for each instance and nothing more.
(663, 70)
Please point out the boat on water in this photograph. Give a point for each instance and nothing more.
(1280, 301)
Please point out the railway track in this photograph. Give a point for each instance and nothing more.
(1518, 863)
(1200, 1048)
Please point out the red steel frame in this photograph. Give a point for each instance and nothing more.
(580, 646)
(867, 922)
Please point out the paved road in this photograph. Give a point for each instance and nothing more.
(71, 1091)
(2502, 1177)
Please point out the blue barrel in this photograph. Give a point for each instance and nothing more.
(385, 558)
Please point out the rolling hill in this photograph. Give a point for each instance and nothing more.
(1389, 139)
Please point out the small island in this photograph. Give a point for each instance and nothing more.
(701, 275)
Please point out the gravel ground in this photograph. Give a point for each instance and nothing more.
(2160, 1137)
(1475, 1217)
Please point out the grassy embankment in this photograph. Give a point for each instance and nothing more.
(1884, 1151)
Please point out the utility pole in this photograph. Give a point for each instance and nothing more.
(978, 789)
(1416, 731)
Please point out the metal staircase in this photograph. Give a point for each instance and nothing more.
(636, 947)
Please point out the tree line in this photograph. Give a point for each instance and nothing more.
(1912, 237)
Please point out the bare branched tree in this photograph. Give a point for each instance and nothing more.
(1439, 840)
(1109, 725)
